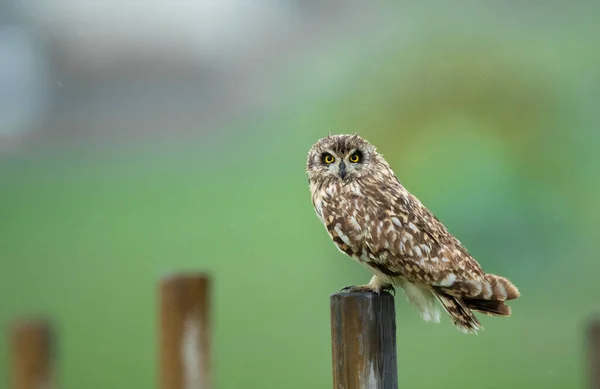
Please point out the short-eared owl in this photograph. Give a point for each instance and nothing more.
(372, 218)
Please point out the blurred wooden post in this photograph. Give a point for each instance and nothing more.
(32, 355)
(593, 340)
(363, 335)
(185, 332)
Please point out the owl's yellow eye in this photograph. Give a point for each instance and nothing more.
(328, 158)
(355, 158)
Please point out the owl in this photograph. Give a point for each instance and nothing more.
(373, 219)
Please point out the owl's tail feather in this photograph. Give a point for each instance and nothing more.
(489, 307)
(460, 313)
(501, 288)
(492, 288)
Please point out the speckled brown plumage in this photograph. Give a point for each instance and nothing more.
(372, 218)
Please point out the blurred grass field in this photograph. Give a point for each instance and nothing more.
(85, 238)
(497, 136)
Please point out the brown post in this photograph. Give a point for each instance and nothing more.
(185, 332)
(363, 335)
(593, 336)
(31, 355)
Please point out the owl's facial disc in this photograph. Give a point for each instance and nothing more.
(340, 157)
(343, 166)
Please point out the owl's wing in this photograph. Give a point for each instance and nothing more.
(407, 240)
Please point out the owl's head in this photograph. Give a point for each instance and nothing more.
(341, 157)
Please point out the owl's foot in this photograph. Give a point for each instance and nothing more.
(367, 288)
(376, 285)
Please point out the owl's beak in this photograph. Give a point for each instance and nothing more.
(342, 170)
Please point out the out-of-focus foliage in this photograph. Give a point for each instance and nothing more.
(488, 115)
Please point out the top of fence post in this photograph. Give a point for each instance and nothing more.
(32, 355)
(184, 337)
(363, 336)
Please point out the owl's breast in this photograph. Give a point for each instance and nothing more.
(343, 212)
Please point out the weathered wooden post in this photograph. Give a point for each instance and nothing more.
(363, 335)
(32, 362)
(593, 349)
(185, 331)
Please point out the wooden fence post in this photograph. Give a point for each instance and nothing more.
(593, 346)
(32, 355)
(185, 331)
(363, 335)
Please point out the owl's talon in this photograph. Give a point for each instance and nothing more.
(368, 288)
(391, 290)
(359, 288)
(348, 289)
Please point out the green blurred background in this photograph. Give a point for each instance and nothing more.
(133, 158)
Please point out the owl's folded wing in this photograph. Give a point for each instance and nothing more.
(408, 241)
